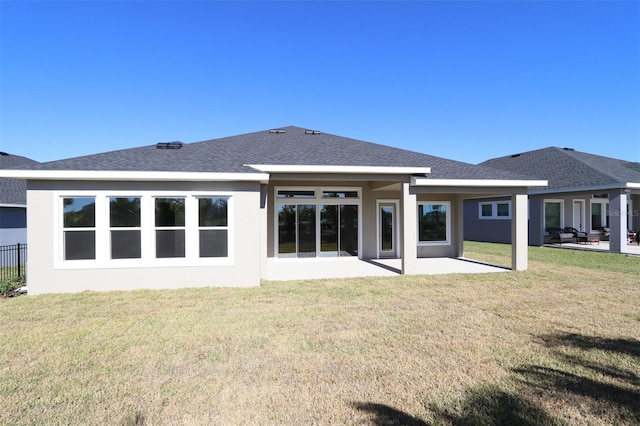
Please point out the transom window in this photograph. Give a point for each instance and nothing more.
(317, 222)
(434, 222)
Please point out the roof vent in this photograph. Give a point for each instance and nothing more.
(312, 132)
(4, 154)
(169, 145)
(277, 131)
(568, 149)
(516, 155)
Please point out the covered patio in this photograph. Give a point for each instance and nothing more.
(326, 268)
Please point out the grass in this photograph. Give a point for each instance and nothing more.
(603, 261)
(558, 344)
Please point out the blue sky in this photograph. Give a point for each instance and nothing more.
(466, 80)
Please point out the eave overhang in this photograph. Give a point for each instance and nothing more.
(475, 183)
(327, 169)
(138, 176)
(621, 186)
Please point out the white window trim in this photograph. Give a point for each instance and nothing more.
(316, 201)
(227, 227)
(604, 205)
(110, 228)
(494, 209)
(147, 221)
(447, 242)
(544, 211)
(582, 216)
(64, 230)
(396, 227)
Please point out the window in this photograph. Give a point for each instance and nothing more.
(434, 222)
(599, 214)
(106, 229)
(339, 194)
(213, 226)
(553, 212)
(170, 227)
(503, 210)
(495, 210)
(79, 228)
(317, 222)
(124, 222)
(296, 194)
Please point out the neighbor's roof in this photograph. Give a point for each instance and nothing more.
(285, 146)
(565, 168)
(12, 191)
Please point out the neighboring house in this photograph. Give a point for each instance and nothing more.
(585, 191)
(220, 212)
(13, 202)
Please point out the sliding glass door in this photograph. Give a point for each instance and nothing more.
(317, 223)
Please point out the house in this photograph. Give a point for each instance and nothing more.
(13, 202)
(585, 191)
(225, 212)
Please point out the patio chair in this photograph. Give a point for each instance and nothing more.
(579, 236)
(560, 235)
(605, 230)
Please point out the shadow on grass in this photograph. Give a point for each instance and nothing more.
(493, 406)
(622, 346)
(597, 396)
(604, 386)
(385, 415)
(482, 406)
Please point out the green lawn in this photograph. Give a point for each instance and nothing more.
(558, 344)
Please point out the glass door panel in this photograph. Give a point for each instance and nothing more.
(329, 231)
(386, 230)
(287, 231)
(306, 231)
(348, 230)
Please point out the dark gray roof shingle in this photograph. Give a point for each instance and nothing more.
(566, 168)
(13, 191)
(292, 146)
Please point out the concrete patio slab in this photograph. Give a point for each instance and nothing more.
(319, 268)
(445, 265)
(632, 249)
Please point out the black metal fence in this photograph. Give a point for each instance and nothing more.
(13, 260)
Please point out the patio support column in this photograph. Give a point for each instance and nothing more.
(519, 232)
(617, 221)
(409, 231)
(263, 237)
(459, 234)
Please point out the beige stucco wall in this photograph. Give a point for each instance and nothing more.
(44, 277)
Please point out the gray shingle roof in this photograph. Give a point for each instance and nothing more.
(292, 146)
(13, 191)
(566, 168)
